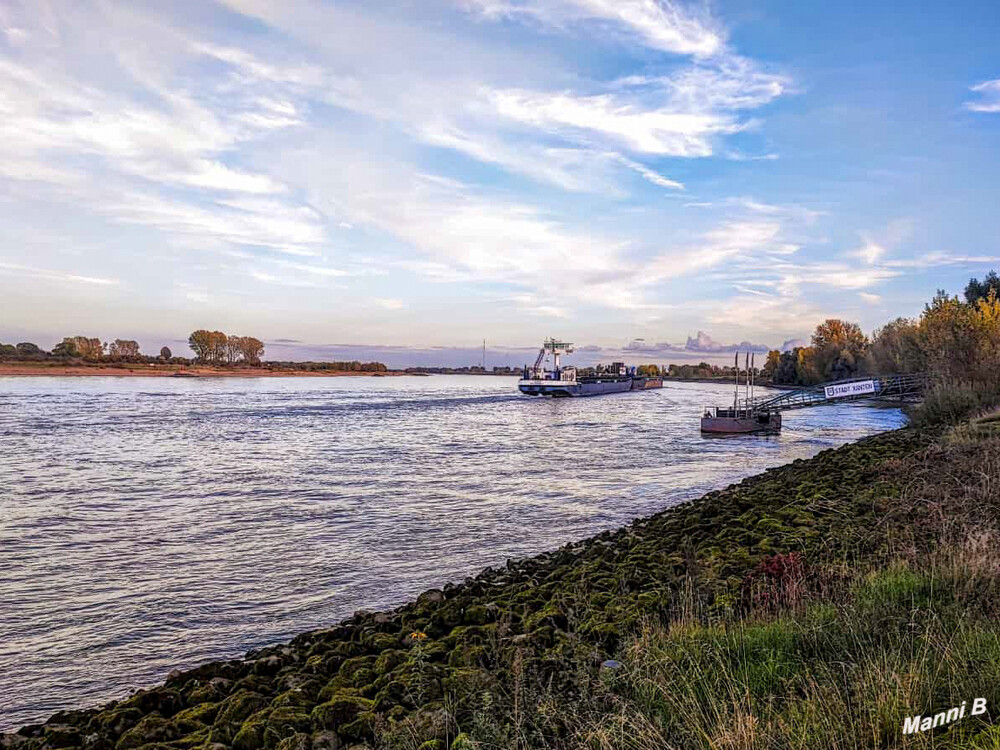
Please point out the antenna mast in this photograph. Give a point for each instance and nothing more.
(747, 363)
(736, 392)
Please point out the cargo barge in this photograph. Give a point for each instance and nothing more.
(560, 381)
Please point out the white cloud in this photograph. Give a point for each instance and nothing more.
(989, 100)
(390, 304)
(47, 275)
(931, 260)
(661, 132)
(661, 24)
(872, 299)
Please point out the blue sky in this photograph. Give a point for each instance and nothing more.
(429, 174)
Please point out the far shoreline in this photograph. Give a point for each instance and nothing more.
(178, 371)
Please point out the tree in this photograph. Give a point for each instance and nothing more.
(838, 347)
(234, 349)
(215, 347)
(209, 347)
(79, 346)
(8, 350)
(977, 290)
(896, 348)
(123, 348)
(771, 365)
(251, 349)
(166, 354)
(950, 337)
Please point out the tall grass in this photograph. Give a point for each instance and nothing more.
(903, 641)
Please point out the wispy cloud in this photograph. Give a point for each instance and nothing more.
(58, 276)
(989, 97)
(664, 25)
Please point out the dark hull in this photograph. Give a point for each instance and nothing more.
(741, 425)
(573, 389)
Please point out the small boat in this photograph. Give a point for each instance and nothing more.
(744, 416)
(726, 420)
(561, 381)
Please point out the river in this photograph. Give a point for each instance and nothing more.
(150, 524)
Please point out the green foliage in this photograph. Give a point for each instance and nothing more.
(977, 290)
(27, 349)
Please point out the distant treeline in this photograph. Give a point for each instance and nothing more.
(87, 349)
(470, 370)
(353, 366)
(213, 348)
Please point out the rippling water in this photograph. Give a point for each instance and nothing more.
(153, 524)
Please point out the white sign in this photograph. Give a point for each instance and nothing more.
(850, 389)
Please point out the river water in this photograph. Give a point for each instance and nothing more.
(149, 524)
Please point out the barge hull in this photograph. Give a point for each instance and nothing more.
(741, 425)
(563, 389)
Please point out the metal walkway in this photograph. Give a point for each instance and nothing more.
(907, 387)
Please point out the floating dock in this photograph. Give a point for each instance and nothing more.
(763, 414)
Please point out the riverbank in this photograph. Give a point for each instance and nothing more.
(702, 626)
(23, 369)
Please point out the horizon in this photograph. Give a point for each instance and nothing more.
(411, 179)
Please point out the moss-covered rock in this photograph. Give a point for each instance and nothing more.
(153, 728)
(340, 711)
(235, 710)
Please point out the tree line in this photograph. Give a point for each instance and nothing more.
(956, 339)
(213, 348)
(86, 348)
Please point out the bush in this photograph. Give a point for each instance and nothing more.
(950, 402)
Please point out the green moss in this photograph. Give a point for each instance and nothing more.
(197, 717)
(251, 734)
(340, 711)
(235, 710)
(153, 728)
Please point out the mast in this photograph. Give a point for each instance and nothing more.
(753, 356)
(747, 362)
(736, 392)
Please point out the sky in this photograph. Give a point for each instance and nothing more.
(654, 178)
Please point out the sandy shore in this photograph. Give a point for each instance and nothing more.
(176, 371)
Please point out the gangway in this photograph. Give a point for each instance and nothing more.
(763, 413)
(906, 387)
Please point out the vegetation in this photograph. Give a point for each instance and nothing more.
(217, 348)
(212, 348)
(703, 371)
(957, 341)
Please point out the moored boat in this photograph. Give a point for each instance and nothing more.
(722, 420)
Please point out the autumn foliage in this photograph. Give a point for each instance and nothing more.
(218, 348)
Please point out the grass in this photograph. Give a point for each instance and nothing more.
(901, 642)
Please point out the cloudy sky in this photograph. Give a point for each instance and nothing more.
(429, 173)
